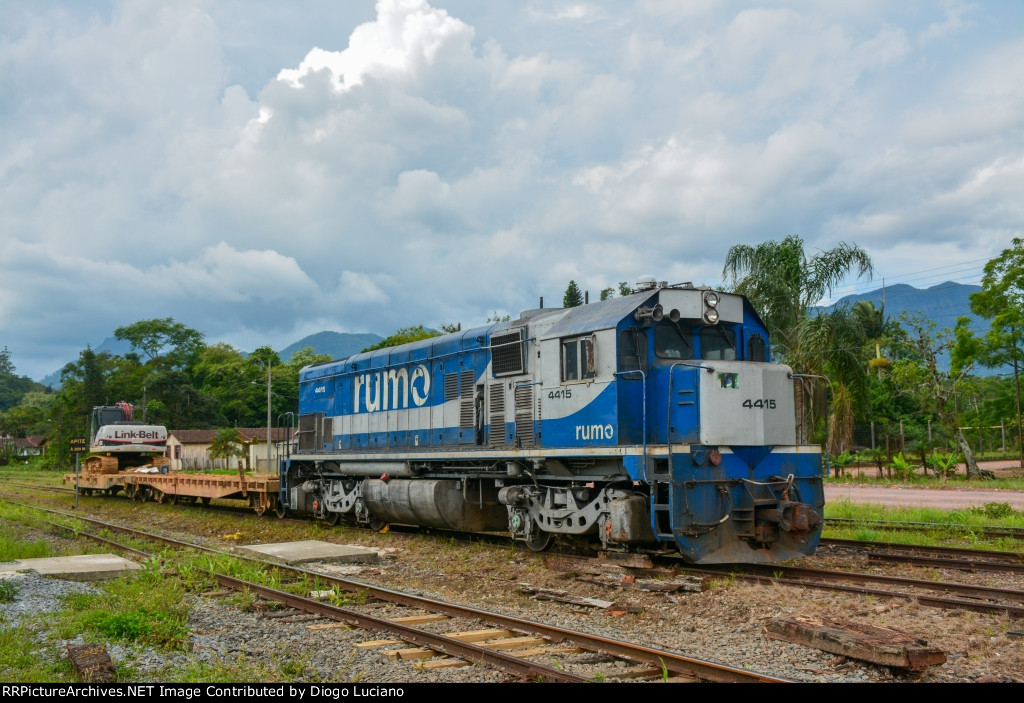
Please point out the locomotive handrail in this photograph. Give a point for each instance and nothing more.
(643, 379)
(668, 409)
(710, 369)
(828, 468)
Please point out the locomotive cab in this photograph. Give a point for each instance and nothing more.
(733, 477)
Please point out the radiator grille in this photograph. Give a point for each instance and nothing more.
(507, 353)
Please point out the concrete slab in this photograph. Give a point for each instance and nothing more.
(85, 567)
(311, 550)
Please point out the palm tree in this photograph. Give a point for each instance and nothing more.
(783, 283)
(227, 443)
(833, 344)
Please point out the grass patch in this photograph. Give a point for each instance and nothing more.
(148, 608)
(8, 590)
(945, 528)
(25, 659)
(12, 548)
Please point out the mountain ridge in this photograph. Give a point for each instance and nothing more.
(942, 303)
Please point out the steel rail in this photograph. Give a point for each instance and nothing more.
(948, 562)
(824, 575)
(951, 551)
(676, 664)
(439, 643)
(931, 601)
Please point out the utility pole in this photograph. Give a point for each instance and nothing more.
(268, 416)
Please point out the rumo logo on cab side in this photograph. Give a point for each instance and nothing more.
(391, 389)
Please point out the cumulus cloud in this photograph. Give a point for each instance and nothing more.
(363, 167)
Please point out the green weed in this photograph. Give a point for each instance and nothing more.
(8, 590)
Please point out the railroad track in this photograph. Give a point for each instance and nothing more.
(983, 530)
(539, 637)
(974, 597)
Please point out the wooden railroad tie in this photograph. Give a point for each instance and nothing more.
(878, 645)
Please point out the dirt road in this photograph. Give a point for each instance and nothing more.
(945, 498)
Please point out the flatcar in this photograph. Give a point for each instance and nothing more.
(649, 422)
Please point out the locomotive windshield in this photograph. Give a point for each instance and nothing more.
(718, 343)
(672, 342)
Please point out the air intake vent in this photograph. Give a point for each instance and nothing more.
(451, 386)
(507, 353)
(524, 416)
(496, 394)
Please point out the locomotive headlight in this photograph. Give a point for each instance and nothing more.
(711, 299)
(711, 316)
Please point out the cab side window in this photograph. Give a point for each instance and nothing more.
(632, 350)
(578, 359)
(756, 348)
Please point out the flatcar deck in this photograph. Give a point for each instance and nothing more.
(260, 490)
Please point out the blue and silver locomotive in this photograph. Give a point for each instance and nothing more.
(651, 421)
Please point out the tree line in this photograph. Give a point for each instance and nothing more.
(856, 365)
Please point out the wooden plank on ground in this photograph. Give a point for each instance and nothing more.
(377, 643)
(563, 596)
(515, 643)
(878, 645)
(91, 663)
(330, 626)
(404, 654)
(446, 663)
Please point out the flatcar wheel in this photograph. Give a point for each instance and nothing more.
(172, 498)
(332, 519)
(158, 496)
(206, 501)
(539, 540)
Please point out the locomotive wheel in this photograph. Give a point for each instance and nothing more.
(280, 509)
(332, 519)
(539, 540)
(376, 525)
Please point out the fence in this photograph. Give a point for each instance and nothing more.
(984, 439)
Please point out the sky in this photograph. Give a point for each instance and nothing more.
(262, 170)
